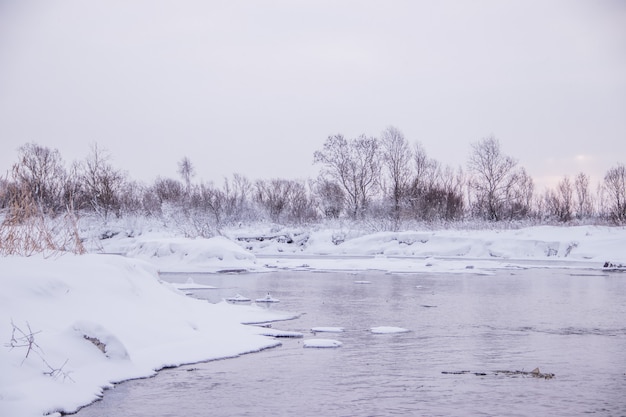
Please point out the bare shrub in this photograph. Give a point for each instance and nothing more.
(40, 171)
(26, 231)
(21, 339)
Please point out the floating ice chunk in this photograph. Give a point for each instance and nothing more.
(327, 329)
(281, 333)
(388, 330)
(238, 299)
(362, 282)
(267, 299)
(321, 343)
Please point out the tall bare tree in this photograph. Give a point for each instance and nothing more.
(584, 200)
(521, 195)
(237, 193)
(615, 186)
(186, 171)
(493, 176)
(102, 182)
(425, 167)
(355, 165)
(397, 161)
(565, 193)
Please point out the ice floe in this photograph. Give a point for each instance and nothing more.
(327, 329)
(321, 343)
(388, 330)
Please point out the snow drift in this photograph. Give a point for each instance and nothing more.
(71, 326)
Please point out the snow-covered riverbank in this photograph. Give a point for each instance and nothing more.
(410, 251)
(72, 325)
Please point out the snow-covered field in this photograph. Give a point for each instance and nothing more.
(72, 325)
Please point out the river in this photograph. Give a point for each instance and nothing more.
(468, 336)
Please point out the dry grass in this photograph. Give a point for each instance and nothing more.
(26, 230)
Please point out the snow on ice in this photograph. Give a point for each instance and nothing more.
(321, 343)
(388, 330)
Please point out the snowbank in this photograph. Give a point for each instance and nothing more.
(99, 319)
(409, 251)
(180, 254)
(543, 242)
(441, 250)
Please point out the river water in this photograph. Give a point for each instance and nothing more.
(465, 332)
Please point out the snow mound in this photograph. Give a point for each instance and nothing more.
(209, 255)
(388, 330)
(321, 343)
(99, 319)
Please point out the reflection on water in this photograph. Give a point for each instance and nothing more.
(571, 325)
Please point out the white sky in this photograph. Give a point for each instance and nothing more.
(255, 87)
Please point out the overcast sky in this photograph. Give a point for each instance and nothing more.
(255, 87)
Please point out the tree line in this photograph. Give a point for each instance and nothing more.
(386, 180)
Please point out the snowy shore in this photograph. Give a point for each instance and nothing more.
(409, 251)
(101, 319)
(71, 325)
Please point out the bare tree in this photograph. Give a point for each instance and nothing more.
(520, 196)
(206, 211)
(186, 171)
(584, 206)
(396, 158)
(168, 190)
(131, 198)
(331, 197)
(438, 195)
(237, 193)
(424, 166)
(274, 196)
(421, 193)
(493, 175)
(103, 183)
(40, 170)
(353, 164)
(302, 207)
(565, 192)
(559, 202)
(615, 185)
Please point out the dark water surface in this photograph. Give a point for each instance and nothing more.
(569, 323)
